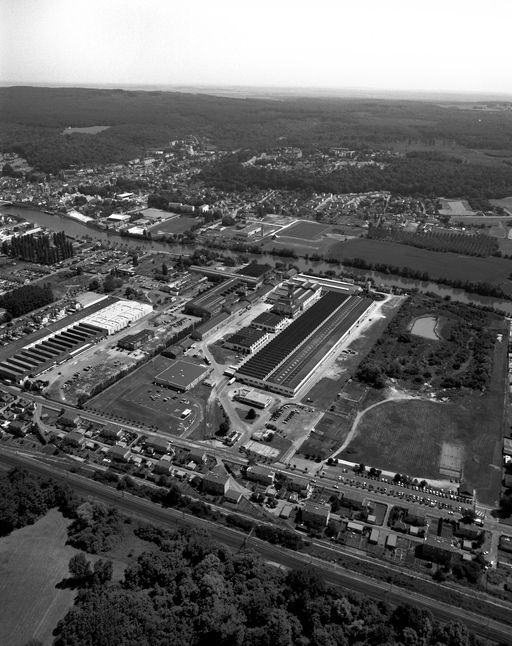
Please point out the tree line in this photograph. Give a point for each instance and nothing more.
(474, 287)
(479, 245)
(43, 248)
(24, 299)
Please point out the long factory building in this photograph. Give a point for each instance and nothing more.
(286, 363)
(69, 337)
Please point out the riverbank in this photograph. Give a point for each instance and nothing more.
(77, 230)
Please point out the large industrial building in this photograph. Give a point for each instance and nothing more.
(118, 315)
(247, 340)
(63, 340)
(294, 297)
(252, 275)
(211, 301)
(182, 375)
(286, 363)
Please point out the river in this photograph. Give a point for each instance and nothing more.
(76, 229)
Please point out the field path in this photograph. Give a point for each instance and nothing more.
(393, 396)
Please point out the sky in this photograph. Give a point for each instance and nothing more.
(433, 45)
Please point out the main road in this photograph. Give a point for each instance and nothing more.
(331, 573)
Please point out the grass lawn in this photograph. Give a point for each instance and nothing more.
(407, 437)
(33, 560)
(438, 265)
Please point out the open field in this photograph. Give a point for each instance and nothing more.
(409, 436)
(505, 202)
(437, 265)
(179, 224)
(455, 207)
(130, 399)
(33, 560)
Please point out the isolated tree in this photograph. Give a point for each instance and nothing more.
(165, 269)
(251, 414)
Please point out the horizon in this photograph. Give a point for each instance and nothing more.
(259, 91)
(451, 48)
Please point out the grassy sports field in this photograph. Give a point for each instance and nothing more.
(437, 265)
(33, 560)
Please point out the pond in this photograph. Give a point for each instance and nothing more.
(425, 326)
(89, 130)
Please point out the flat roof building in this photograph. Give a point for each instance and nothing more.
(247, 340)
(252, 398)
(260, 474)
(316, 514)
(182, 375)
(269, 321)
(135, 341)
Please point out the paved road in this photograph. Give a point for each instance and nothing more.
(331, 572)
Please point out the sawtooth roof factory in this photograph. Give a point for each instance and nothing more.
(61, 341)
(288, 360)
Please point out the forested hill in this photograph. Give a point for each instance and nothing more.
(32, 120)
(192, 592)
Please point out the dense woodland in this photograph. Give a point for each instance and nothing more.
(33, 120)
(25, 299)
(416, 176)
(192, 592)
(44, 248)
(187, 590)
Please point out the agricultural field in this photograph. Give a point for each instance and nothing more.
(34, 560)
(455, 207)
(436, 264)
(136, 400)
(179, 224)
(445, 241)
(305, 230)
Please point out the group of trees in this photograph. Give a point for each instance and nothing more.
(24, 498)
(86, 575)
(460, 357)
(480, 245)
(191, 592)
(96, 528)
(44, 248)
(24, 299)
